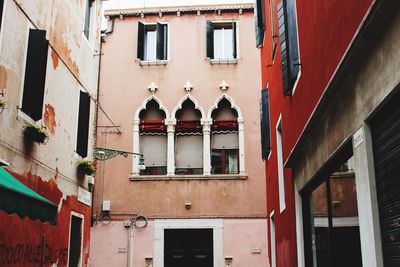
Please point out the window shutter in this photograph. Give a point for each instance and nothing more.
(1, 11)
(140, 41)
(292, 41)
(87, 18)
(210, 39)
(283, 45)
(160, 41)
(265, 127)
(259, 21)
(83, 124)
(35, 74)
(234, 45)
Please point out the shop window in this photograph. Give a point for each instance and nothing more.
(189, 140)
(152, 41)
(35, 74)
(221, 40)
(265, 124)
(153, 139)
(83, 124)
(331, 231)
(259, 19)
(290, 60)
(224, 139)
(89, 4)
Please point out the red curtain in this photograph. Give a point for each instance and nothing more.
(152, 126)
(189, 126)
(224, 125)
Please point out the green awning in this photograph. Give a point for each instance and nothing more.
(15, 197)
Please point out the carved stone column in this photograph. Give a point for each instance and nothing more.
(242, 166)
(206, 146)
(170, 146)
(136, 148)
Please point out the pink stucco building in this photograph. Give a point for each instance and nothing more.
(182, 86)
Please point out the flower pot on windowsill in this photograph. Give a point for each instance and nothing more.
(2, 104)
(86, 167)
(36, 133)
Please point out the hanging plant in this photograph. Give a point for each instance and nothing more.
(37, 133)
(2, 103)
(86, 166)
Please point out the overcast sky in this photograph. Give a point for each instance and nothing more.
(117, 4)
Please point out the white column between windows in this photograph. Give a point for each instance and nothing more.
(171, 146)
(136, 147)
(206, 146)
(242, 166)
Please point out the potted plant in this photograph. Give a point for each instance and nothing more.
(2, 103)
(86, 166)
(37, 133)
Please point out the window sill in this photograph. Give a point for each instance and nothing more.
(188, 177)
(152, 62)
(222, 61)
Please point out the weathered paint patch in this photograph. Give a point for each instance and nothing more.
(50, 118)
(54, 57)
(3, 77)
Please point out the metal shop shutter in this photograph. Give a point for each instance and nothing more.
(386, 147)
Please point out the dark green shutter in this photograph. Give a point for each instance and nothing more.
(160, 32)
(83, 124)
(234, 39)
(283, 47)
(210, 39)
(259, 19)
(140, 41)
(1, 11)
(265, 127)
(87, 18)
(292, 41)
(35, 74)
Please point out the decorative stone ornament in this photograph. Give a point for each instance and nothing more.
(188, 87)
(153, 87)
(224, 86)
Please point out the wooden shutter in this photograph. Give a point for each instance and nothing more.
(234, 40)
(140, 41)
(161, 32)
(294, 59)
(1, 11)
(87, 18)
(83, 124)
(265, 127)
(210, 39)
(35, 74)
(283, 47)
(259, 21)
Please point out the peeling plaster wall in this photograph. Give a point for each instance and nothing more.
(72, 66)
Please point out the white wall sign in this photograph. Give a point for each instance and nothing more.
(358, 138)
(84, 196)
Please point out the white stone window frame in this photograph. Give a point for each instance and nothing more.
(157, 62)
(217, 61)
(206, 121)
(215, 224)
(81, 216)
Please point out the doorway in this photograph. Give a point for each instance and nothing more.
(75, 241)
(188, 247)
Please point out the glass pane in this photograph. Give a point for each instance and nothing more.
(150, 45)
(216, 161)
(320, 226)
(231, 161)
(228, 43)
(218, 42)
(346, 248)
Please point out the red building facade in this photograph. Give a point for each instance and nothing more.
(321, 128)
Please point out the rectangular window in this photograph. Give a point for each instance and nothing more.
(221, 40)
(265, 127)
(272, 239)
(152, 41)
(87, 21)
(225, 161)
(281, 176)
(331, 228)
(259, 19)
(83, 124)
(35, 74)
(288, 44)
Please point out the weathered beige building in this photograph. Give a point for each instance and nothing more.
(182, 85)
(48, 77)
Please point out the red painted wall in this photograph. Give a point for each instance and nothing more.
(20, 239)
(325, 30)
